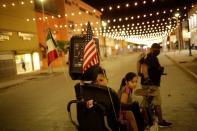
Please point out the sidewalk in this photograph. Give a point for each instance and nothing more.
(6, 83)
(182, 59)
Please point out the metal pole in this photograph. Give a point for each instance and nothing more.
(104, 24)
(179, 34)
(43, 16)
(189, 42)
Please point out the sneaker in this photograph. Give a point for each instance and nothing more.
(164, 124)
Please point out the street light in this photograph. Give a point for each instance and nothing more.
(189, 37)
(180, 34)
(42, 1)
(177, 15)
(179, 29)
(104, 24)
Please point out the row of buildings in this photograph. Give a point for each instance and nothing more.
(24, 25)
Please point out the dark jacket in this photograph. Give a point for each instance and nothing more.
(155, 70)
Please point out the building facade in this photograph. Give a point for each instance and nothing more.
(19, 50)
(193, 26)
(24, 26)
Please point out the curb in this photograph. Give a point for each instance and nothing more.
(14, 82)
(182, 67)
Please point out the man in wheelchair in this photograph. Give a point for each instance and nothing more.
(98, 106)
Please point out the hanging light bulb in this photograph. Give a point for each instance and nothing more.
(13, 4)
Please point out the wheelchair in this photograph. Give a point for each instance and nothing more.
(103, 111)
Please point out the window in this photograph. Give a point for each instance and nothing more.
(90, 13)
(68, 2)
(82, 9)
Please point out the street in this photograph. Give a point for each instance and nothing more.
(39, 104)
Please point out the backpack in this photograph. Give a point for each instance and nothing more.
(142, 67)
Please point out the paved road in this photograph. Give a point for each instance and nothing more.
(39, 104)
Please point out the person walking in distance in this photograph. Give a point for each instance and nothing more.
(152, 80)
(23, 65)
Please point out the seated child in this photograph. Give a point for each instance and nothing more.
(128, 84)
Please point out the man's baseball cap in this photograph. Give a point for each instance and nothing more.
(155, 46)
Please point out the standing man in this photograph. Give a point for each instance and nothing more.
(152, 80)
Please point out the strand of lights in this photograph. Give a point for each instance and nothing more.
(152, 14)
(115, 31)
(98, 23)
(13, 4)
(115, 28)
(137, 25)
(126, 5)
(130, 32)
(114, 20)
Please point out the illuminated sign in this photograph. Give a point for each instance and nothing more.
(25, 36)
(5, 35)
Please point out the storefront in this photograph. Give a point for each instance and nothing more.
(26, 63)
(193, 26)
(7, 65)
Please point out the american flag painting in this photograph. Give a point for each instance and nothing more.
(90, 57)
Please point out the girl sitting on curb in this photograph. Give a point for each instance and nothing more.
(128, 84)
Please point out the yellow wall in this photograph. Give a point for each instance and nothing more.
(18, 44)
(14, 19)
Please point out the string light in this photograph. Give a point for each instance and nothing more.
(137, 31)
(123, 30)
(22, 3)
(13, 4)
(4, 5)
